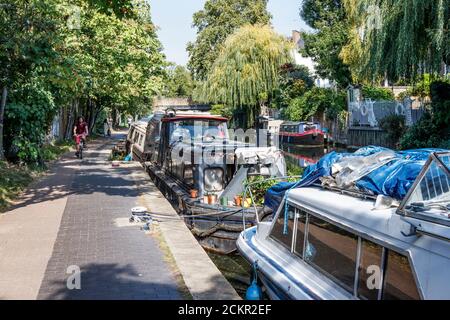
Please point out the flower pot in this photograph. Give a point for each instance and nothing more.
(238, 200)
(194, 193)
(206, 199)
(224, 201)
(212, 199)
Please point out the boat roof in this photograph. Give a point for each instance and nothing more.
(194, 117)
(296, 123)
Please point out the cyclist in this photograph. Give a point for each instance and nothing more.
(80, 131)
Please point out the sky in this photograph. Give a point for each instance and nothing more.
(174, 20)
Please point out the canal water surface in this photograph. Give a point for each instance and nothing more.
(234, 267)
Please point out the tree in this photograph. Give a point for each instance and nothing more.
(315, 103)
(294, 82)
(397, 39)
(246, 72)
(217, 20)
(27, 38)
(112, 60)
(179, 82)
(433, 129)
(328, 19)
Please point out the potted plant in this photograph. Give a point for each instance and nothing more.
(212, 198)
(238, 200)
(206, 198)
(194, 193)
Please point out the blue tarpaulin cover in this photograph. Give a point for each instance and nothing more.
(393, 178)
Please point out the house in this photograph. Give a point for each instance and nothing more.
(299, 44)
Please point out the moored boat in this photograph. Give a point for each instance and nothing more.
(343, 239)
(201, 170)
(302, 133)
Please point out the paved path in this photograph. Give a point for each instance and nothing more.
(78, 217)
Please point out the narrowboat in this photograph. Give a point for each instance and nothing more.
(302, 133)
(338, 240)
(202, 170)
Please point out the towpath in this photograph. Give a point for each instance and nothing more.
(77, 218)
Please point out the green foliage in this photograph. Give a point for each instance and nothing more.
(395, 127)
(400, 39)
(214, 23)
(53, 151)
(294, 82)
(111, 60)
(246, 70)
(315, 102)
(324, 46)
(377, 93)
(179, 82)
(13, 179)
(260, 184)
(222, 110)
(28, 116)
(433, 130)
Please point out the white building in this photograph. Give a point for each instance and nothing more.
(304, 61)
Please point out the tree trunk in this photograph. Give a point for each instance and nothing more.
(71, 120)
(2, 114)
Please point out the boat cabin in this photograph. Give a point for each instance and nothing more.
(326, 244)
(299, 127)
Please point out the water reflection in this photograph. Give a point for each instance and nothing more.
(302, 157)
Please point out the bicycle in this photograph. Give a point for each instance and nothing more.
(80, 146)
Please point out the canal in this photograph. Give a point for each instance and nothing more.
(234, 267)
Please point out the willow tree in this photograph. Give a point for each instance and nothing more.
(246, 71)
(397, 39)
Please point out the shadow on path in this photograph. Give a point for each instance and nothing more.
(109, 282)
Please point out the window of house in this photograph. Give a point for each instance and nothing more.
(278, 228)
(399, 283)
(369, 272)
(332, 250)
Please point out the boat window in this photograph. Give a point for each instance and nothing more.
(332, 250)
(188, 174)
(370, 270)
(198, 129)
(278, 228)
(399, 283)
(431, 196)
(213, 179)
(300, 237)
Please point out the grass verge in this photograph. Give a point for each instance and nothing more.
(15, 178)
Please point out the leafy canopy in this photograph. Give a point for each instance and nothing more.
(179, 82)
(397, 39)
(247, 69)
(329, 21)
(214, 23)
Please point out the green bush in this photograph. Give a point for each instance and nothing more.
(395, 127)
(28, 116)
(314, 102)
(377, 93)
(433, 130)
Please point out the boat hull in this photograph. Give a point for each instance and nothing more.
(215, 227)
(277, 283)
(303, 139)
